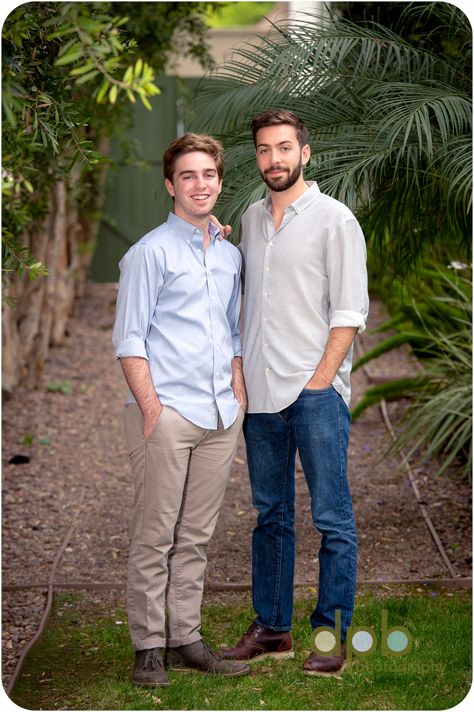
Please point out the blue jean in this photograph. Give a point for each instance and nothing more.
(317, 425)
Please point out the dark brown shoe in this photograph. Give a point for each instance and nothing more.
(259, 642)
(148, 670)
(317, 664)
(199, 657)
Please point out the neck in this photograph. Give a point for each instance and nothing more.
(202, 222)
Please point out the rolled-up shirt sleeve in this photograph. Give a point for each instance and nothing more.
(233, 312)
(141, 280)
(347, 272)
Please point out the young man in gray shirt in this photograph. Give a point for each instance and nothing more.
(305, 299)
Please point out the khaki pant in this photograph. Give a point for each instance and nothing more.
(181, 472)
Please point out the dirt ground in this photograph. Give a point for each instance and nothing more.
(70, 430)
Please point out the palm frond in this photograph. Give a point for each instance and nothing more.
(389, 121)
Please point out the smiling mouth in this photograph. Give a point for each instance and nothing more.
(200, 197)
(275, 171)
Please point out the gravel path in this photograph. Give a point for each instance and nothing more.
(70, 429)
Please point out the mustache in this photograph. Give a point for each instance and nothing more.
(276, 167)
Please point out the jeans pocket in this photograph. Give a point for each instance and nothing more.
(316, 391)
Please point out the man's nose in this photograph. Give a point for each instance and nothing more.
(275, 156)
(200, 182)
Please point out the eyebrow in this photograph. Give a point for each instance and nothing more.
(192, 172)
(281, 143)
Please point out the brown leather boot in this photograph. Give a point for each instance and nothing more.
(148, 670)
(259, 642)
(317, 664)
(199, 656)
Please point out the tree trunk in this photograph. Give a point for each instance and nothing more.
(42, 307)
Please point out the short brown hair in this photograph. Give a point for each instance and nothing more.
(275, 117)
(187, 144)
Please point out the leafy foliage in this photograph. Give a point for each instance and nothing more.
(70, 73)
(389, 120)
(437, 321)
(239, 14)
(389, 114)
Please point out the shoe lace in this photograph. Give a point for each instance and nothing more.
(210, 655)
(254, 630)
(153, 659)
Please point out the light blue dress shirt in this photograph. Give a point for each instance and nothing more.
(178, 306)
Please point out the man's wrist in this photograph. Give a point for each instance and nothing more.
(318, 382)
(152, 410)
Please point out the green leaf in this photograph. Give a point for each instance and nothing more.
(91, 25)
(87, 77)
(128, 75)
(69, 57)
(102, 91)
(145, 102)
(8, 111)
(138, 67)
(400, 388)
(113, 93)
(77, 71)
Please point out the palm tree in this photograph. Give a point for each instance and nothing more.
(389, 117)
(389, 121)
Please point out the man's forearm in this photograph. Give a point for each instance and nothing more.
(339, 343)
(238, 381)
(137, 374)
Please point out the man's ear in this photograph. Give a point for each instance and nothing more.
(169, 187)
(305, 154)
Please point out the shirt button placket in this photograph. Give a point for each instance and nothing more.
(265, 303)
(211, 289)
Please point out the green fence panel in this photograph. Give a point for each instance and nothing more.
(136, 200)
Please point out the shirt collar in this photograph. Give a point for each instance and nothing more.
(188, 231)
(300, 203)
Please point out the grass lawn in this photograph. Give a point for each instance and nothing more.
(85, 657)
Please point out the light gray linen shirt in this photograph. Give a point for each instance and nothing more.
(300, 281)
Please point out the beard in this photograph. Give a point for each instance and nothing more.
(282, 183)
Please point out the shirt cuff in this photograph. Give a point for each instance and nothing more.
(345, 317)
(237, 346)
(131, 347)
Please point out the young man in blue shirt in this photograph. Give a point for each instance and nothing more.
(177, 337)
